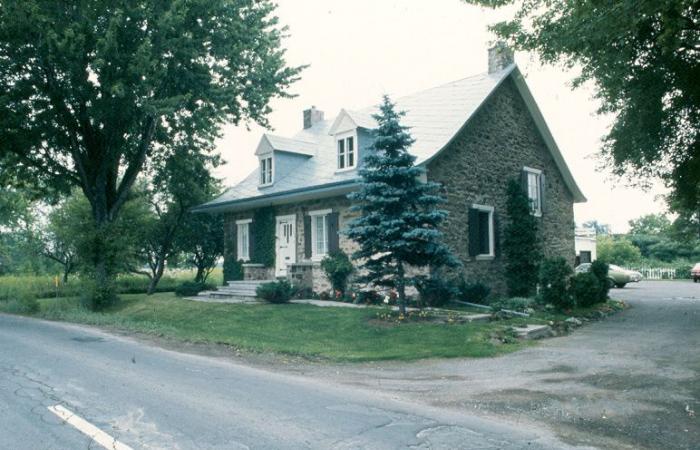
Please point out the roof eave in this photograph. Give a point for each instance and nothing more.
(279, 198)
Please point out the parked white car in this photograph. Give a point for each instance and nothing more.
(635, 277)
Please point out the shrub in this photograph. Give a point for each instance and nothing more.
(554, 282)
(338, 268)
(275, 292)
(513, 304)
(369, 297)
(435, 291)
(585, 289)
(98, 296)
(521, 243)
(233, 269)
(190, 288)
(24, 304)
(476, 292)
(600, 270)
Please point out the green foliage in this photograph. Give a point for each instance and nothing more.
(585, 289)
(191, 288)
(280, 291)
(202, 242)
(617, 250)
(112, 90)
(435, 291)
(476, 292)
(643, 59)
(338, 269)
(233, 270)
(264, 236)
(399, 219)
(554, 282)
(600, 228)
(25, 304)
(600, 269)
(521, 244)
(650, 224)
(512, 304)
(98, 294)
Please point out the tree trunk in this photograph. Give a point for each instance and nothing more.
(157, 275)
(199, 277)
(401, 288)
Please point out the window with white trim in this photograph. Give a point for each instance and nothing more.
(266, 171)
(534, 190)
(319, 233)
(243, 238)
(347, 154)
(484, 234)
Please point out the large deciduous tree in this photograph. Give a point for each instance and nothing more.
(93, 90)
(399, 218)
(644, 58)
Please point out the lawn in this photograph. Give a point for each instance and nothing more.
(339, 334)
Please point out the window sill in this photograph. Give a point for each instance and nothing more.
(484, 257)
(265, 185)
(318, 258)
(347, 169)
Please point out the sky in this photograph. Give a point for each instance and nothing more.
(359, 50)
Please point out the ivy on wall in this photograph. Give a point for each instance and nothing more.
(233, 269)
(263, 251)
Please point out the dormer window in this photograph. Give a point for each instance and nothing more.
(347, 156)
(266, 171)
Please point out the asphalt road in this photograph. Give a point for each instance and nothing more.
(148, 397)
(631, 381)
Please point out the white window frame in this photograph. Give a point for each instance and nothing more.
(321, 214)
(535, 203)
(492, 237)
(267, 170)
(345, 137)
(243, 243)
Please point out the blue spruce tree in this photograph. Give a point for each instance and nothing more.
(398, 225)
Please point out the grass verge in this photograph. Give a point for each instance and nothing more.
(338, 334)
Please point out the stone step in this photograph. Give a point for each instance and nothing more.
(226, 294)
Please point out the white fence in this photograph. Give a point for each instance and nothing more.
(660, 273)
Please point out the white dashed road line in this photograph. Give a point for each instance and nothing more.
(88, 429)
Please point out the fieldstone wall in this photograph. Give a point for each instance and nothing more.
(498, 142)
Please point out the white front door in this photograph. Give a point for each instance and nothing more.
(286, 244)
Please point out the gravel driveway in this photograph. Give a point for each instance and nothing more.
(628, 382)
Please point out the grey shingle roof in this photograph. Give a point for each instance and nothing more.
(434, 116)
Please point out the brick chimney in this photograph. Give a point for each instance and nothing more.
(312, 116)
(500, 57)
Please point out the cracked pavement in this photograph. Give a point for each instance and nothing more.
(149, 397)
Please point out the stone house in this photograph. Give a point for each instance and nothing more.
(472, 136)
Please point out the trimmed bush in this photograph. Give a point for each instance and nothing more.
(338, 269)
(98, 297)
(275, 292)
(600, 270)
(513, 304)
(585, 289)
(476, 292)
(435, 291)
(369, 297)
(554, 282)
(233, 270)
(191, 288)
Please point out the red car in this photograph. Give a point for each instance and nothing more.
(695, 272)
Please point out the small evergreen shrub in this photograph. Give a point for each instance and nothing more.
(476, 292)
(275, 292)
(233, 269)
(600, 270)
(338, 269)
(435, 291)
(191, 288)
(554, 282)
(585, 289)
